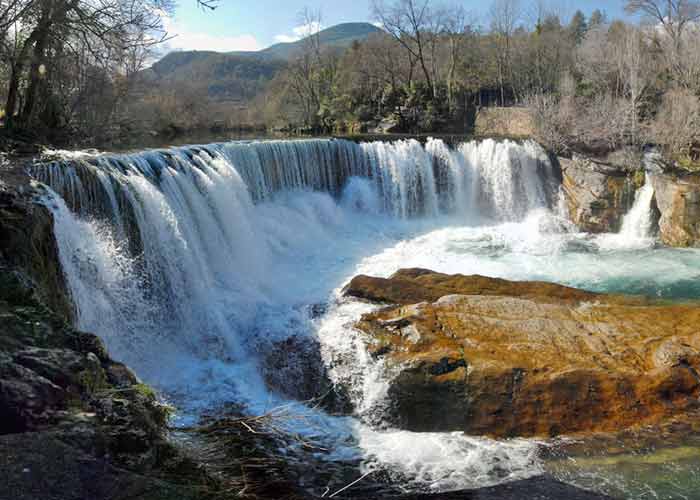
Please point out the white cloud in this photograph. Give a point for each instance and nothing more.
(184, 39)
(299, 32)
(286, 38)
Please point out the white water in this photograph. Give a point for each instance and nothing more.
(191, 263)
(637, 223)
(636, 231)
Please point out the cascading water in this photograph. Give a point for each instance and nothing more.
(174, 248)
(636, 230)
(637, 223)
(192, 263)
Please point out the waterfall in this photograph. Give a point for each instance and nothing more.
(636, 230)
(500, 180)
(189, 252)
(196, 264)
(637, 223)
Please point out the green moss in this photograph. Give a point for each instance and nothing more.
(687, 163)
(93, 380)
(160, 412)
(145, 390)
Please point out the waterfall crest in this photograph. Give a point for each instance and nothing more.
(489, 178)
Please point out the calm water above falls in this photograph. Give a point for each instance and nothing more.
(192, 262)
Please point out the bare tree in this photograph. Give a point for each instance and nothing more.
(208, 4)
(505, 16)
(455, 28)
(677, 126)
(409, 22)
(674, 17)
(97, 33)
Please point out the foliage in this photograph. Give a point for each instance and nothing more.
(79, 67)
(68, 62)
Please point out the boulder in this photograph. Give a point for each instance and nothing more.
(678, 199)
(409, 286)
(294, 367)
(598, 195)
(506, 359)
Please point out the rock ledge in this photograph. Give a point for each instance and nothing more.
(500, 358)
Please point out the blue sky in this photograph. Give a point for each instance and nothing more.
(245, 25)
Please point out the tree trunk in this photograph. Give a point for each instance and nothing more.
(15, 77)
(37, 78)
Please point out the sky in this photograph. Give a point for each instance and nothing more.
(246, 25)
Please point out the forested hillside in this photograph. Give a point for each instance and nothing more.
(592, 83)
(202, 89)
(73, 70)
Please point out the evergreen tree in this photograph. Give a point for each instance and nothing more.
(578, 27)
(597, 18)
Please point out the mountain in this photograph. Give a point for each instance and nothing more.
(340, 36)
(240, 76)
(225, 76)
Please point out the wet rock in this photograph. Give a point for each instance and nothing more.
(539, 488)
(597, 195)
(59, 365)
(294, 367)
(120, 375)
(411, 286)
(27, 400)
(52, 464)
(542, 360)
(678, 199)
(27, 243)
(59, 385)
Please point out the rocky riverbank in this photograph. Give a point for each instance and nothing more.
(74, 423)
(598, 194)
(506, 359)
(678, 200)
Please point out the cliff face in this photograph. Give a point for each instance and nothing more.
(678, 199)
(502, 358)
(27, 243)
(597, 196)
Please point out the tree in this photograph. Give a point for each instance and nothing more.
(598, 18)
(675, 17)
(578, 27)
(455, 29)
(409, 22)
(86, 33)
(677, 126)
(505, 15)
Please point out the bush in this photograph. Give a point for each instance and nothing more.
(676, 126)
